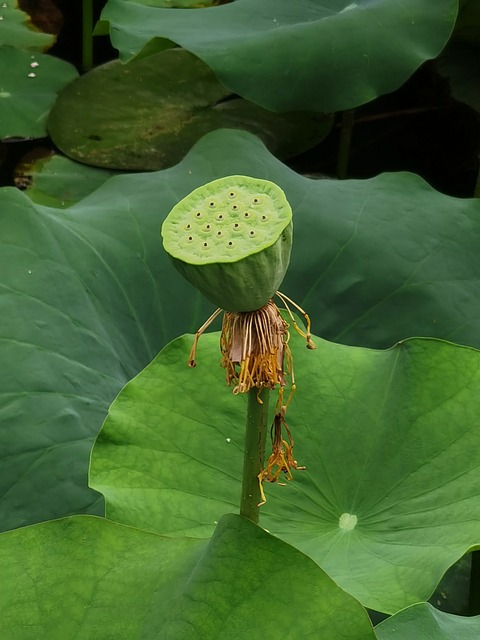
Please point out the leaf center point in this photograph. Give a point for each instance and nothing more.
(347, 521)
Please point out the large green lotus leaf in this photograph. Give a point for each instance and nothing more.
(151, 111)
(89, 297)
(89, 578)
(29, 84)
(322, 55)
(58, 182)
(422, 621)
(390, 439)
(16, 29)
(84, 307)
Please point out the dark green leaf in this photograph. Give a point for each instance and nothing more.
(453, 593)
(151, 111)
(321, 56)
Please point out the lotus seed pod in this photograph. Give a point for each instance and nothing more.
(232, 238)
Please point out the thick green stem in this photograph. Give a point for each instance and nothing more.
(87, 35)
(254, 457)
(346, 129)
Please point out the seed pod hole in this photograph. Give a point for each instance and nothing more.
(190, 238)
(220, 216)
(231, 194)
(252, 233)
(246, 214)
(230, 244)
(198, 214)
(236, 225)
(211, 204)
(219, 233)
(256, 201)
(205, 244)
(234, 207)
(264, 218)
(188, 226)
(208, 227)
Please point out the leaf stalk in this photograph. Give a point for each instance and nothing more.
(254, 456)
(87, 35)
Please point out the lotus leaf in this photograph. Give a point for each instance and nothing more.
(315, 55)
(390, 440)
(99, 580)
(89, 296)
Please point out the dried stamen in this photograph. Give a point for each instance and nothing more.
(204, 327)
(281, 459)
(254, 345)
(308, 335)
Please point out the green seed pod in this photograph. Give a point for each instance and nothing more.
(231, 238)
